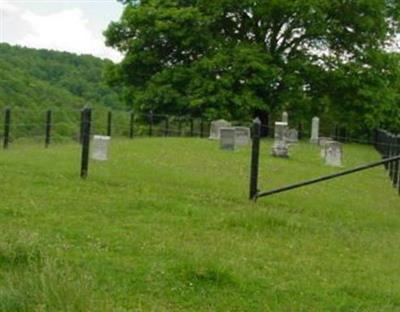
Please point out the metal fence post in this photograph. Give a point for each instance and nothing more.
(87, 119)
(109, 123)
(191, 127)
(131, 124)
(151, 120)
(166, 132)
(255, 159)
(48, 128)
(396, 163)
(7, 125)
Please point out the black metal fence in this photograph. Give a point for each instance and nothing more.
(386, 143)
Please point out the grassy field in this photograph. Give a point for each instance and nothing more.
(166, 225)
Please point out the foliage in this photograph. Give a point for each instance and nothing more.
(36, 80)
(165, 225)
(229, 58)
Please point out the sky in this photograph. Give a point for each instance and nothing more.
(64, 25)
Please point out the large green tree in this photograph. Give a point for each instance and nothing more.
(236, 58)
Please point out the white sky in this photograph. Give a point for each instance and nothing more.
(64, 25)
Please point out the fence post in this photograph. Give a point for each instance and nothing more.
(180, 126)
(131, 123)
(255, 159)
(87, 119)
(7, 124)
(109, 123)
(391, 154)
(151, 120)
(396, 163)
(201, 128)
(166, 132)
(386, 148)
(191, 127)
(48, 128)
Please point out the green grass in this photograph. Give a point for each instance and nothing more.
(166, 225)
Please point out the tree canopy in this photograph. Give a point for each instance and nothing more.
(229, 58)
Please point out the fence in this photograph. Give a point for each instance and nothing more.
(80, 124)
(386, 143)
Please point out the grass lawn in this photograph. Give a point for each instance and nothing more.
(166, 225)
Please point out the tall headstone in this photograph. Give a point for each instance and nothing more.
(100, 147)
(285, 117)
(215, 128)
(242, 136)
(315, 131)
(280, 147)
(333, 154)
(227, 138)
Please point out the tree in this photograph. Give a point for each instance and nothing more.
(229, 58)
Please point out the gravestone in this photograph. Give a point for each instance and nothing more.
(227, 138)
(285, 117)
(333, 154)
(216, 126)
(242, 136)
(322, 141)
(100, 147)
(280, 147)
(292, 136)
(315, 131)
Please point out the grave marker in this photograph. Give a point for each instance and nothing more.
(280, 147)
(100, 147)
(215, 128)
(315, 131)
(333, 154)
(227, 138)
(242, 136)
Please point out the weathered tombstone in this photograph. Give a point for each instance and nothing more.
(333, 154)
(242, 136)
(227, 138)
(292, 136)
(216, 126)
(280, 147)
(315, 131)
(100, 147)
(322, 141)
(285, 117)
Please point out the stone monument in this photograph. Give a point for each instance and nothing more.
(100, 147)
(280, 147)
(315, 131)
(292, 136)
(215, 128)
(333, 154)
(285, 117)
(227, 138)
(242, 136)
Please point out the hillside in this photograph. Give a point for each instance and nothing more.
(39, 79)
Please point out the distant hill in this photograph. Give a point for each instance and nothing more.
(40, 79)
(32, 81)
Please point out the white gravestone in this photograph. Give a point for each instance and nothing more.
(242, 136)
(227, 138)
(280, 147)
(333, 154)
(292, 136)
(285, 117)
(100, 147)
(216, 126)
(315, 130)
